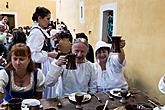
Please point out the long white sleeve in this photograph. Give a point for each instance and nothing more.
(53, 74)
(3, 80)
(162, 85)
(81, 79)
(36, 41)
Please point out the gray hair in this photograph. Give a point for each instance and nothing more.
(82, 40)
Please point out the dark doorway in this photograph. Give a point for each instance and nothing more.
(11, 20)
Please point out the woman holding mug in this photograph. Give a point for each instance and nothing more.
(109, 67)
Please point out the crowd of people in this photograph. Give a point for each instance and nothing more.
(35, 69)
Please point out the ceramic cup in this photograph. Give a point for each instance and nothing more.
(71, 62)
(30, 104)
(116, 44)
(15, 104)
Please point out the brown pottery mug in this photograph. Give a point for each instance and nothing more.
(71, 61)
(116, 44)
(15, 104)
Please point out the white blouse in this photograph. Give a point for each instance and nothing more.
(112, 77)
(35, 41)
(81, 79)
(4, 81)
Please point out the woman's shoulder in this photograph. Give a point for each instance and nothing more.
(3, 71)
(33, 33)
(96, 65)
(36, 30)
(39, 73)
(40, 77)
(88, 63)
(3, 74)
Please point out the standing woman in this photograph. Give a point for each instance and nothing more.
(37, 41)
(20, 79)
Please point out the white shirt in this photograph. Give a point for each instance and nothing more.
(4, 79)
(112, 77)
(35, 41)
(162, 85)
(81, 79)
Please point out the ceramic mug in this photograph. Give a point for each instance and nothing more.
(15, 104)
(116, 44)
(31, 104)
(71, 62)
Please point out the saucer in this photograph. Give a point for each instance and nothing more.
(116, 92)
(26, 103)
(86, 98)
(162, 108)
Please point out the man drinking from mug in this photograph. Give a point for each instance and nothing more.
(80, 79)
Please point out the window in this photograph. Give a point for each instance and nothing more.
(108, 14)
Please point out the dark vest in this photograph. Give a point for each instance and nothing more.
(46, 47)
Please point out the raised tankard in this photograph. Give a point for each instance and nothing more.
(71, 61)
(116, 44)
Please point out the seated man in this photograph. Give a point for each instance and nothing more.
(90, 54)
(162, 84)
(81, 79)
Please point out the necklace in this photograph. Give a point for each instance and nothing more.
(21, 79)
(21, 83)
